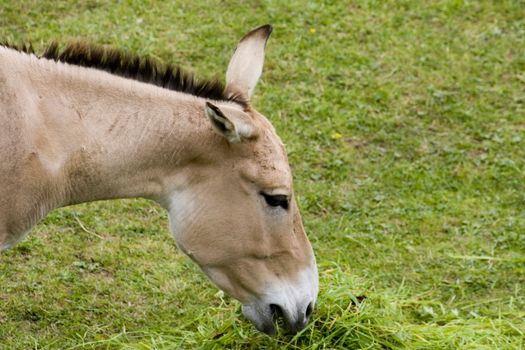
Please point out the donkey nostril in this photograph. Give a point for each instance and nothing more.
(277, 315)
(309, 310)
(277, 311)
(293, 324)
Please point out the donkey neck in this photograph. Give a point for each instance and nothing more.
(123, 138)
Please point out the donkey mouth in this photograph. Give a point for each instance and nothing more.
(269, 317)
(261, 317)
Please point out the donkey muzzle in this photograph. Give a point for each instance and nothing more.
(266, 316)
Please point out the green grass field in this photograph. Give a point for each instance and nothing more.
(405, 126)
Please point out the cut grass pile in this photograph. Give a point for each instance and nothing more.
(405, 125)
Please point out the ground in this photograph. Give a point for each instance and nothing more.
(405, 126)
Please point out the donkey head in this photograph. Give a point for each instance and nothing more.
(235, 213)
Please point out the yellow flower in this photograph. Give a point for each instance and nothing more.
(336, 135)
(312, 30)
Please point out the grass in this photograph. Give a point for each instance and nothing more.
(405, 126)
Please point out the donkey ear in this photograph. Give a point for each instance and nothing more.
(246, 64)
(230, 123)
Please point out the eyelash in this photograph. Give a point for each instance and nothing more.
(278, 200)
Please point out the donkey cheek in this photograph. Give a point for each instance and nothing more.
(223, 282)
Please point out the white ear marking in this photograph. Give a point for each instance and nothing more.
(246, 64)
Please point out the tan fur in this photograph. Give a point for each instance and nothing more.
(70, 134)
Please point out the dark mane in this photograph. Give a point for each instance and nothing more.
(128, 65)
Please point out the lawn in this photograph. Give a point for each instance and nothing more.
(405, 127)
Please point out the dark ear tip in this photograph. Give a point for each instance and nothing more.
(214, 108)
(267, 28)
(264, 30)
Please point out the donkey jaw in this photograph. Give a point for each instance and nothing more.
(294, 302)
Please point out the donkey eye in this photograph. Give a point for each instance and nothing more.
(278, 200)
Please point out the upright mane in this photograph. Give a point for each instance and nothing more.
(132, 66)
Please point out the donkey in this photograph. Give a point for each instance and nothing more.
(86, 123)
